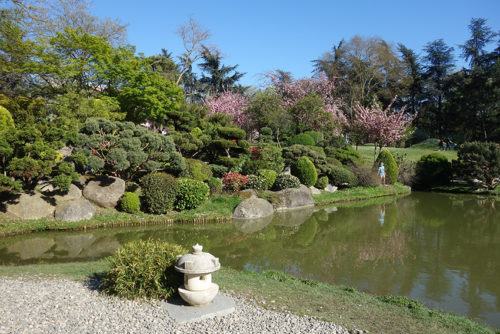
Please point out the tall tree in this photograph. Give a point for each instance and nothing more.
(474, 49)
(414, 72)
(219, 77)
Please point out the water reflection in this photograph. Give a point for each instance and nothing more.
(440, 249)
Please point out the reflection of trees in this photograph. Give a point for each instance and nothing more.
(392, 248)
(306, 233)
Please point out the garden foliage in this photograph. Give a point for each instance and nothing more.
(285, 181)
(432, 170)
(191, 194)
(391, 168)
(304, 169)
(342, 177)
(159, 191)
(479, 164)
(234, 181)
(130, 202)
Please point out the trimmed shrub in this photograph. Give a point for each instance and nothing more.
(130, 203)
(231, 132)
(342, 177)
(302, 139)
(218, 170)
(347, 155)
(391, 168)
(367, 177)
(158, 192)
(255, 182)
(432, 170)
(322, 182)
(198, 170)
(316, 136)
(285, 181)
(233, 181)
(269, 175)
(144, 269)
(191, 194)
(215, 185)
(479, 164)
(304, 169)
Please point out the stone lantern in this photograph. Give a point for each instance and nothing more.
(197, 268)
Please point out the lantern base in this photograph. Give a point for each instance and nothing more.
(199, 298)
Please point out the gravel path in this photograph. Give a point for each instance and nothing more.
(33, 305)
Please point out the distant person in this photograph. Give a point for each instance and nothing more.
(381, 173)
(441, 145)
(447, 142)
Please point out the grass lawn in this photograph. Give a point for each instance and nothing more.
(277, 291)
(360, 193)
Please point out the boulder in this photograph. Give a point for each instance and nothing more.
(253, 208)
(105, 191)
(331, 188)
(48, 189)
(314, 190)
(30, 206)
(293, 198)
(73, 211)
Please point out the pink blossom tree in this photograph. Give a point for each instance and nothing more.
(381, 126)
(232, 104)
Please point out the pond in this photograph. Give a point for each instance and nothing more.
(440, 249)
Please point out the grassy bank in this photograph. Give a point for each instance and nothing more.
(412, 153)
(361, 193)
(273, 290)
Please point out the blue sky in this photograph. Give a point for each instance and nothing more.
(262, 36)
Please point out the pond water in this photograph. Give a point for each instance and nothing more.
(440, 249)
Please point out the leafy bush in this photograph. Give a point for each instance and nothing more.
(159, 191)
(432, 170)
(198, 170)
(367, 177)
(256, 182)
(304, 169)
(316, 136)
(218, 170)
(215, 185)
(285, 181)
(80, 161)
(233, 181)
(318, 158)
(302, 139)
(231, 132)
(144, 269)
(9, 186)
(322, 182)
(391, 168)
(269, 175)
(264, 156)
(479, 164)
(342, 177)
(191, 194)
(6, 120)
(406, 173)
(130, 203)
(347, 155)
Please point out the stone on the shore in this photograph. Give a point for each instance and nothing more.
(293, 198)
(30, 206)
(105, 191)
(331, 188)
(48, 189)
(314, 190)
(253, 208)
(73, 211)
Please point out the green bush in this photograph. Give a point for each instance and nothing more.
(342, 177)
(302, 139)
(317, 157)
(130, 203)
(264, 156)
(269, 175)
(215, 185)
(191, 194)
(322, 182)
(391, 168)
(432, 170)
(285, 181)
(304, 169)
(232, 132)
(6, 120)
(159, 191)
(218, 170)
(198, 170)
(479, 164)
(347, 155)
(316, 136)
(256, 182)
(144, 269)
(80, 161)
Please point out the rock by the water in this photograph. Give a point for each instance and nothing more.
(48, 189)
(105, 191)
(30, 206)
(331, 188)
(293, 198)
(247, 193)
(253, 208)
(73, 211)
(314, 190)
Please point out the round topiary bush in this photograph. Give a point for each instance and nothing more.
(256, 182)
(391, 168)
(304, 169)
(269, 175)
(158, 192)
(302, 139)
(130, 203)
(432, 170)
(285, 181)
(322, 182)
(342, 177)
(198, 170)
(215, 185)
(191, 194)
(233, 181)
(144, 269)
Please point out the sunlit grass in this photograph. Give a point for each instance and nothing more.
(411, 153)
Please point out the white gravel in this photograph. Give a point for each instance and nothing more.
(41, 305)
